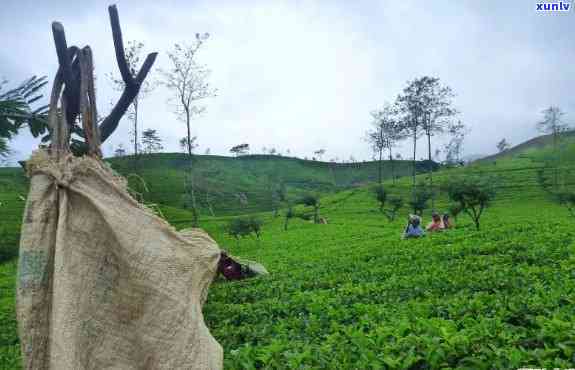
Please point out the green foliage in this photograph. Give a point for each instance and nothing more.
(396, 203)
(244, 226)
(151, 141)
(312, 200)
(288, 215)
(420, 198)
(455, 209)
(567, 199)
(380, 196)
(473, 194)
(354, 297)
(16, 110)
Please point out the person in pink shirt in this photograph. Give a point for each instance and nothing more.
(436, 223)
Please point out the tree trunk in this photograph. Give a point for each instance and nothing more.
(380, 166)
(392, 166)
(189, 139)
(430, 172)
(555, 171)
(195, 211)
(413, 164)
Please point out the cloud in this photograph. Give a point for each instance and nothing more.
(304, 75)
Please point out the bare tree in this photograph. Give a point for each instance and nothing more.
(133, 53)
(503, 145)
(553, 124)
(188, 81)
(386, 132)
(454, 148)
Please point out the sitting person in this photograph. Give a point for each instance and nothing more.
(436, 223)
(413, 229)
(238, 269)
(447, 222)
(228, 267)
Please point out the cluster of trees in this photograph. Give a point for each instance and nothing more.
(424, 108)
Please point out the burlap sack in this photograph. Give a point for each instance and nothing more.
(105, 284)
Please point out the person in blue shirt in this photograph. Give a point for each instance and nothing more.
(413, 229)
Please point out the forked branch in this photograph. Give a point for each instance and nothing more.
(132, 84)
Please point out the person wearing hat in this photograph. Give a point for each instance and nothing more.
(413, 229)
(436, 223)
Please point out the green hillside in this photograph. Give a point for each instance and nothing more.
(532, 147)
(241, 185)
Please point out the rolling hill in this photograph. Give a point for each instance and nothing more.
(531, 146)
(226, 185)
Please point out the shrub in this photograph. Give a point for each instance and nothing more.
(567, 199)
(473, 194)
(240, 227)
(420, 198)
(455, 210)
(289, 214)
(380, 196)
(312, 200)
(395, 203)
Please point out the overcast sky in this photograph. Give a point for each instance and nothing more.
(304, 75)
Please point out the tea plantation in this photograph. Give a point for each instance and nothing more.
(351, 294)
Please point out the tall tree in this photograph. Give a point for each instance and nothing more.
(438, 110)
(553, 124)
(386, 132)
(133, 53)
(409, 105)
(454, 148)
(427, 108)
(503, 145)
(151, 141)
(188, 81)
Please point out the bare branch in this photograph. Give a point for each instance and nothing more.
(119, 45)
(132, 87)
